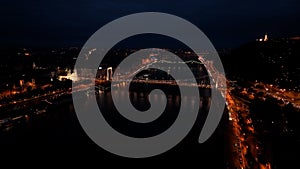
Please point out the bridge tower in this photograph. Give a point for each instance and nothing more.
(109, 73)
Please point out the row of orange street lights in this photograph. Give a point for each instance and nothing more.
(234, 106)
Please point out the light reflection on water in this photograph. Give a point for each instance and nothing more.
(140, 100)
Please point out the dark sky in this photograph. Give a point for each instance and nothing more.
(228, 23)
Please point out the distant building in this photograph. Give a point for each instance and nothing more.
(68, 75)
(266, 38)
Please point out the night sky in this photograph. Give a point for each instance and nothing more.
(228, 23)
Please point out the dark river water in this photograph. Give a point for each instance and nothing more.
(57, 132)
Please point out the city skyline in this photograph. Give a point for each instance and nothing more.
(154, 89)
